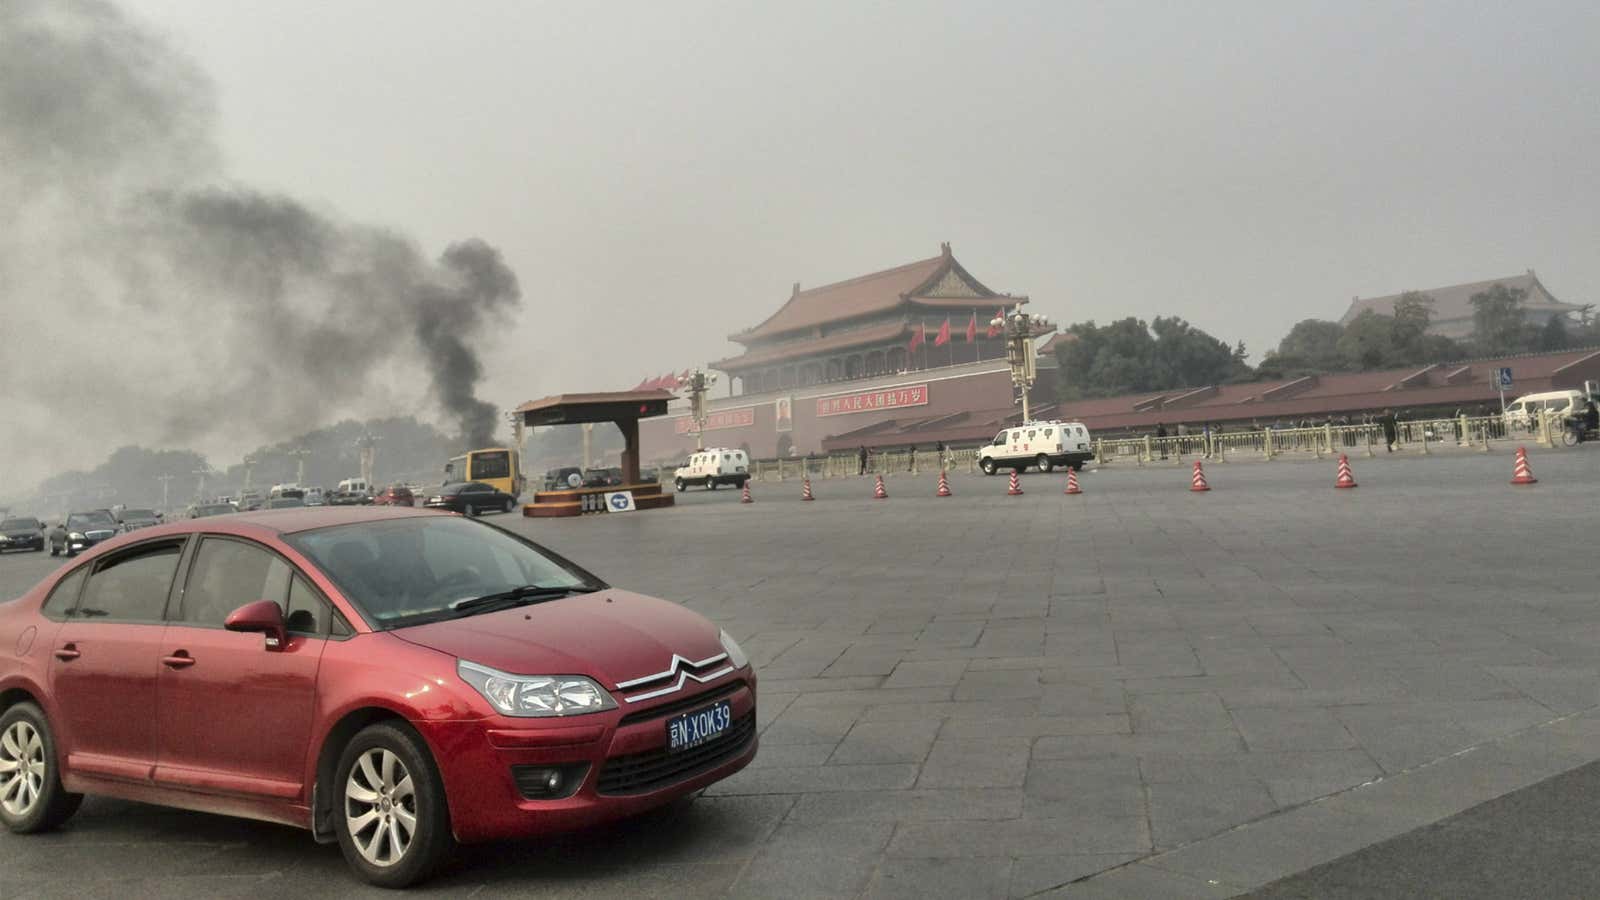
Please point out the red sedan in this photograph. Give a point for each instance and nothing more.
(394, 680)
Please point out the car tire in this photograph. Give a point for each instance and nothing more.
(27, 742)
(372, 804)
(711, 483)
(987, 466)
(1044, 463)
(510, 505)
(471, 511)
(678, 485)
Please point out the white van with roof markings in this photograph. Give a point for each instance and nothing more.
(713, 466)
(1042, 444)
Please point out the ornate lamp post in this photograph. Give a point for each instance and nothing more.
(1019, 330)
(697, 384)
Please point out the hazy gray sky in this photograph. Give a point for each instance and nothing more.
(674, 166)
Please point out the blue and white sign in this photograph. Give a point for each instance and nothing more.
(620, 501)
(1502, 378)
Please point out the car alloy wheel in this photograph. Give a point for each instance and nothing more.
(678, 484)
(1044, 463)
(22, 769)
(380, 807)
(471, 510)
(510, 504)
(988, 467)
(711, 484)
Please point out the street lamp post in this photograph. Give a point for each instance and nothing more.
(250, 461)
(697, 384)
(1019, 330)
(165, 480)
(300, 454)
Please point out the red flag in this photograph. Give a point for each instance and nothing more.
(944, 333)
(643, 385)
(917, 338)
(994, 330)
(972, 328)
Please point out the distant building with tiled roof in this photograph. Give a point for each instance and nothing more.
(1452, 305)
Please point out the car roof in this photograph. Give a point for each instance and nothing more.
(274, 522)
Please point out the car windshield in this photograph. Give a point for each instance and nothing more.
(284, 503)
(19, 524)
(220, 509)
(401, 572)
(89, 520)
(138, 514)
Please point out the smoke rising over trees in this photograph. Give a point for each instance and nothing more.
(150, 299)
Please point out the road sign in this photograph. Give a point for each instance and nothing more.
(1502, 378)
(620, 501)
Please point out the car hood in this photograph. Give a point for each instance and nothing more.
(21, 533)
(612, 636)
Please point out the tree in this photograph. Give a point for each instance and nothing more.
(1497, 319)
(1131, 356)
(1412, 313)
(1368, 342)
(1312, 345)
(1553, 336)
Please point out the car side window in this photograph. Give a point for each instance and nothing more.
(307, 612)
(64, 596)
(132, 585)
(226, 575)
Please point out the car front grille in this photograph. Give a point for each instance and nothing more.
(98, 535)
(684, 705)
(641, 773)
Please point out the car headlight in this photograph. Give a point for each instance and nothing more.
(75, 536)
(535, 695)
(735, 652)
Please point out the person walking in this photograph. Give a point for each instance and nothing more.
(911, 465)
(939, 446)
(1390, 428)
(1161, 438)
(862, 456)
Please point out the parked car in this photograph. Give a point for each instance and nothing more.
(21, 533)
(348, 498)
(315, 496)
(80, 531)
(250, 499)
(471, 498)
(495, 691)
(285, 503)
(204, 510)
(132, 518)
(563, 478)
(395, 495)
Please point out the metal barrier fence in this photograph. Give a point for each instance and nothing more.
(1421, 436)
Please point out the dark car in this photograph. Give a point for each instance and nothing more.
(21, 533)
(285, 503)
(471, 498)
(564, 478)
(348, 498)
(602, 477)
(82, 530)
(395, 495)
(130, 519)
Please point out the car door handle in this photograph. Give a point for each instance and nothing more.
(178, 660)
(68, 653)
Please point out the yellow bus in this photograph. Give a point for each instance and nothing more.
(500, 467)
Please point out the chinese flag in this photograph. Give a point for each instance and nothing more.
(917, 338)
(944, 334)
(994, 330)
(972, 328)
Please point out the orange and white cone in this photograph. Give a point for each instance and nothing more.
(805, 488)
(1522, 474)
(1347, 479)
(944, 485)
(1072, 483)
(745, 496)
(878, 493)
(1015, 490)
(1198, 482)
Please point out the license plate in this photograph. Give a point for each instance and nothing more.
(695, 728)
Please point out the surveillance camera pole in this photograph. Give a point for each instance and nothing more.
(1019, 330)
(697, 384)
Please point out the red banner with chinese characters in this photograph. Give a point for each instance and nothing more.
(891, 398)
(729, 418)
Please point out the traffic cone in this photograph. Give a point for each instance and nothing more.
(745, 497)
(1016, 485)
(1072, 483)
(805, 488)
(1347, 479)
(944, 485)
(1522, 474)
(1198, 482)
(878, 493)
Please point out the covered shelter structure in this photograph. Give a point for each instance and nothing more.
(621, 408)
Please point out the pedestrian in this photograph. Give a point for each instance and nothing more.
(939, 445)
(1390, 428)
(911, 466)
(1161, 438)
(862, 455)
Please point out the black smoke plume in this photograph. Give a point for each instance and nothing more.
(147, 297)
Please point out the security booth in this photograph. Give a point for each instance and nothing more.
(621, 408)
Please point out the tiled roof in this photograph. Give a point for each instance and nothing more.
(874, 335)
(1455, 301)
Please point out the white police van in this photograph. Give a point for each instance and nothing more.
(1042, 444)
(713, 466)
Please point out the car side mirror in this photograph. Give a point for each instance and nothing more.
(264, 616)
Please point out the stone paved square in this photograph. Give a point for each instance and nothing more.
(993, 696)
